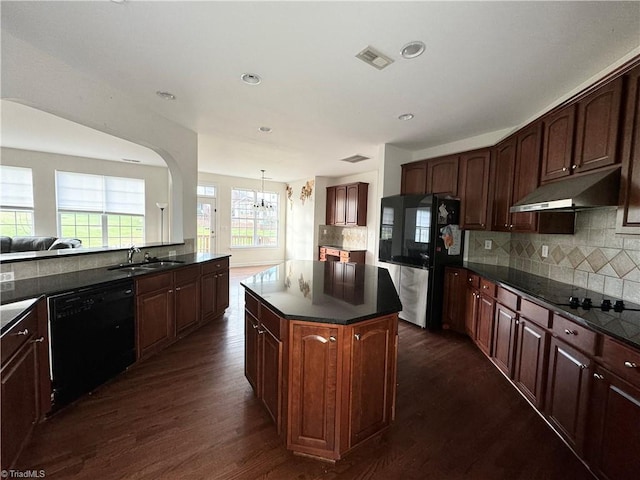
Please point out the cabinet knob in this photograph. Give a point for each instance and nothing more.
(517, 322)
(171, 291)
(570, 332)
(455, 274)
(630, 365)
(254, 325)
(178, 289)
(583, 366)
(357, 335)
(510, 226)
(22, 332)
(332, 338)
(573, 167)
(260, 332)
(564, 169)
(482, 225)
(506, 224)
(598, 376)
(37, 340)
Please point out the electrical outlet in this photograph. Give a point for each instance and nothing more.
(6, 277)
(544, 253)
(488, 244)
(7, 286)
(172, 253)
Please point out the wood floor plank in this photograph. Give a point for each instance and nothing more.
(189, 413)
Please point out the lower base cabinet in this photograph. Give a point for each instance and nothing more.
(530, 365)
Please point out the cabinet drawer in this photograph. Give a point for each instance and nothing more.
(508, 299)
(473, 280)
(535, 313)
(271, 321)
(152, 283)
(621, 359)
(323, 251)
(215, 265)
(186, 274)
(574, 334)
(488, 288)
(333, 252)
(344, 254)
(19, 334)
(251, 303)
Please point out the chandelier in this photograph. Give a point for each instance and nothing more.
(262, 206)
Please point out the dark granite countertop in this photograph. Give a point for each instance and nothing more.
(65, 282)
(330, 292)
(10, 313)
(624, 326)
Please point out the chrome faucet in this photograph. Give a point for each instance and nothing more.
(132, 249)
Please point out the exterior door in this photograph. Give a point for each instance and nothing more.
(206, 220)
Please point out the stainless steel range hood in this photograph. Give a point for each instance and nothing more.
(593, 190)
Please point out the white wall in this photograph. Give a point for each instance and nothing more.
(34, 78)
(301, 222)
(244, 256)
(44, 166)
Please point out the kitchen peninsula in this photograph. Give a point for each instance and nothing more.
(321, 344)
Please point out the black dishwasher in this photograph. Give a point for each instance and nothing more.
(92, 338)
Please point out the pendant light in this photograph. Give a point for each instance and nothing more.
(261, 206)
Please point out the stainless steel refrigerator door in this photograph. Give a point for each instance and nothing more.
(412, 285)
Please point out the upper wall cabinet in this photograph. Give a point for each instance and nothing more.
(629, 213)
(583, 135)
(347, 204)
(414, 178)
(474, 189)
(442, 175)
(504, 167)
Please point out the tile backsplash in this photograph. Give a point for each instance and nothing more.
(595, 257)
(354, 238)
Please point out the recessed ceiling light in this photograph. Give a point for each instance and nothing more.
(265, 130)
(166, 95)
(412, 49)
(250, 78)
(405, 116)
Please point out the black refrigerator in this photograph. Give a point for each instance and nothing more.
(419, 236)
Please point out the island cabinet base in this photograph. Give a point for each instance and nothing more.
(328, 387)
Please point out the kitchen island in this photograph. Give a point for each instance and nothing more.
(321, 343)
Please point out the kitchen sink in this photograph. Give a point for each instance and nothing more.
(142, 266)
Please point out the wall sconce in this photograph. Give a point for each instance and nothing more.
(307, 190)
(161, 206)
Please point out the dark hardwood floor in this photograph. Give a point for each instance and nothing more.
(189, 413)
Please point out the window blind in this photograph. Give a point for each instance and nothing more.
(16, 187)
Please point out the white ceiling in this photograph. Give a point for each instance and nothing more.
(487, 66)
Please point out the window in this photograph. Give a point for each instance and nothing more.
(206, 191)
(423, 222)
(16, 201)
(100, 210)
(251, 227)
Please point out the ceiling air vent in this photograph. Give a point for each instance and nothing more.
(355, 159)
(130, 160)
(374, 58)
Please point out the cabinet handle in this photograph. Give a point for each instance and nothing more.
(597, 376)
(255, 326)
(583, 366)
(357, 335)
(178, 289)
(23, 332)
(630, 365)
(332, 338)
(37, 340)
(570, 332)
(260, 332)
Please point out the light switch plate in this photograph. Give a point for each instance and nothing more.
(7, 277)
(544, 253)
(488, 244)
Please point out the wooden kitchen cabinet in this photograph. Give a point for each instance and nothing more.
(251, 350)
(484, 325)
(453, 311)
(557, 151)
(347, 204)
(155, 316)
(187, 297)
(214, 288)
(442, 175)
(504, 167)
(629, 212)
(474, 189)
(24, 375)
(414, 178)
(505, 330)
(472, 306)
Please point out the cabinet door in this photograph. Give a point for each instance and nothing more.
(271, 375)
(252, 350)
(454, 297)
(503, 181)
(340, 215)
(485, 323)
(475, 169)
(614, 436)
(187, 311)
(222, 291)
(313, 368)
(505, 328)
(356, 204)
(442, 176)
(372, 377)
(557, 150)
(414, 178)
(19, 402)
(629, 213)
(155, 321)
(331, 206)
(208, 295)
(531, 361)
(471, 312)
(567, 391)
(527, 175)
(597, 127)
